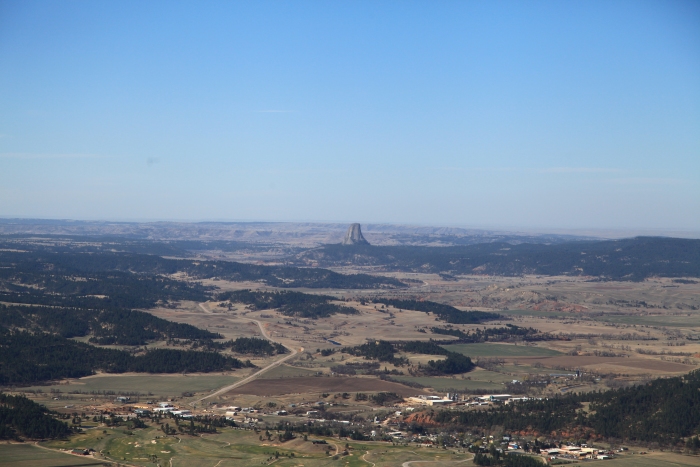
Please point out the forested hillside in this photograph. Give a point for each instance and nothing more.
(663, 411)
(21, 417)
(627, 259)
(446, 313)
(93, 269)
(28, 358)
(289, 303)
(115, 326)
(384, 351)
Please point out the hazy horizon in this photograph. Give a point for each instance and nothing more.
(544, 115)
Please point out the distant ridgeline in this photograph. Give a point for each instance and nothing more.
(628, 259)
(289, 303)
(664, 411)
(446, 313)
(28, 358)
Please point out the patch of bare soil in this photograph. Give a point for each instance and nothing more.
(315, 384)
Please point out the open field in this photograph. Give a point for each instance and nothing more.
(501, 350)
(641, 364)
(161, 385)
(654, 459)
(29, 455)
(286, 371)
(233, 447)
(444, 384)
(269, 387)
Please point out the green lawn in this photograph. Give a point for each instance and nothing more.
(500, 350)
(28, 455)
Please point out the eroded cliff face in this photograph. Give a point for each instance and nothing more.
(354, 236)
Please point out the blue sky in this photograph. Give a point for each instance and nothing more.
(483, 114)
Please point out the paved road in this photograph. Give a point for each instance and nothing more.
(250, 378)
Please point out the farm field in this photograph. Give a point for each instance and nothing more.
(501, 350)
(28, 455)
(286, 371)
(686, 320)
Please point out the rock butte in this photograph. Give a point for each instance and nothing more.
(354, 236)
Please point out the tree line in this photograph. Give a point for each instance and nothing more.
(509, 331)
(28, 358)
(289, 303)
(633, 259)
(446, 313)
(664, 410)
(22, 417)
(111, 326)
(384, 351)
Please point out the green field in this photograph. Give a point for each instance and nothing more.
(443, 384)
(654, 460)
(478, 379)
(144, 384)
(28, 455)
(500, 350)
(234, 447)
(668, 321)
(655, 320)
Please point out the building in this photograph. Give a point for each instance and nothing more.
(429, 400)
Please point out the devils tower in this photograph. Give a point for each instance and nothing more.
(354, 236)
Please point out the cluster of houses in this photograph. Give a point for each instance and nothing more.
(455, 399)
(162, 408)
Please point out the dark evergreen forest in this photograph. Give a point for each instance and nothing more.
(289, 303)
(21, 417)
(27, 358)
(446, 313)
(628, 259)
(663, 410)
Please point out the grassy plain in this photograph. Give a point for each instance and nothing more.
(235, 447)
(29, 455)
(157, 385)
(654, 459)
(501, 350)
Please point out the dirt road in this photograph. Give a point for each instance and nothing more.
(250, 378)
